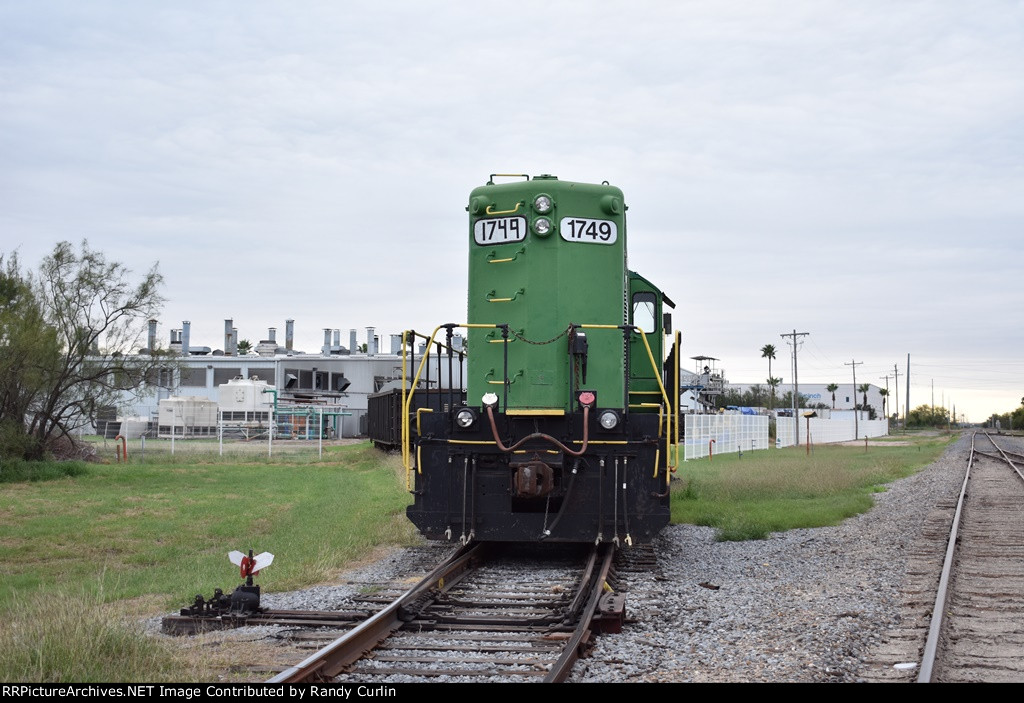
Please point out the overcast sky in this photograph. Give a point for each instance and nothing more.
(854, 170)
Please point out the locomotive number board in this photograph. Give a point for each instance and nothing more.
(580, 229)
(499, 230)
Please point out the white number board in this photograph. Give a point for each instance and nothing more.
(499, 230)
(580, 229)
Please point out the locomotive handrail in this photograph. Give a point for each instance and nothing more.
(669, 466)
(661, 387)
(492, 260)
(490, 181)
(521, 291)
(407, 394)
(675, 392)
(489, 211)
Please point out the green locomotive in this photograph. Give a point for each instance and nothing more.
(568, 429)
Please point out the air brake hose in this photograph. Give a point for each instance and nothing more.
(542, 435)
(565, 501)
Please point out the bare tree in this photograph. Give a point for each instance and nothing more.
(97, 316)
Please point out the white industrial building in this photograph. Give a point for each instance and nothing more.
(814, 393)
(335, 379)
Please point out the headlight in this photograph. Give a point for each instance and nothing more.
(542, 226)
(609, 419)
(542, 204)
(465, 418)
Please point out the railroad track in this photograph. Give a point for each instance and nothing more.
(977, 626)
(484, 614)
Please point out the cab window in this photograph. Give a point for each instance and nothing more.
(644, 311)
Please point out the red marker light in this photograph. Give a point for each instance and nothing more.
(587, 398)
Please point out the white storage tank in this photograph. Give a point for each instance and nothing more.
(245, 394)
(187, 416)
(133, 427)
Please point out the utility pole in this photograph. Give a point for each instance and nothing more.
(796, 385)
(896, 371)
(856, 427)
(908, 386)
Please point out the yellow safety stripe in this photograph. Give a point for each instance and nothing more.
(530, 412)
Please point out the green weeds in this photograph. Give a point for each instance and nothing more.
(784, 489)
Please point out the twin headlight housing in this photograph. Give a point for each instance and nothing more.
(543, 205)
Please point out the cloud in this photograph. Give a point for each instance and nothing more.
(853, 170)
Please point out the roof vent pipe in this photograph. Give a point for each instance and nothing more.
(337, 338)
(326, 349)
(271, 334)
(289, 334)
(234, 341)
(396, 344)
(228, 326)
(371, 345)
(353, 345)
(151, 344)
(186, 335)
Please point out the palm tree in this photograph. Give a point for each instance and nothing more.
(244, 347)
(768, 352)
(885, 394)
(773, 384)
(832, 388)
(864, 388)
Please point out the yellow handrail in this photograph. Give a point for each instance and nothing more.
(664, 394)
(521, 291)
(657, 375)
(407, 397)
(675, 392)
(491, 257)
(514, 210)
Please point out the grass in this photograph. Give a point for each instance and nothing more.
(17, 471)
(159, 532)
(69, 636)
(784, 489)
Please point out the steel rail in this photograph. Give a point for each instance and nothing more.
(1005, 457)
(938, 610)
(329, 661)
(931, 645)
(598, 567)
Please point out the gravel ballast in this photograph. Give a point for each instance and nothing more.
(805, 605)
